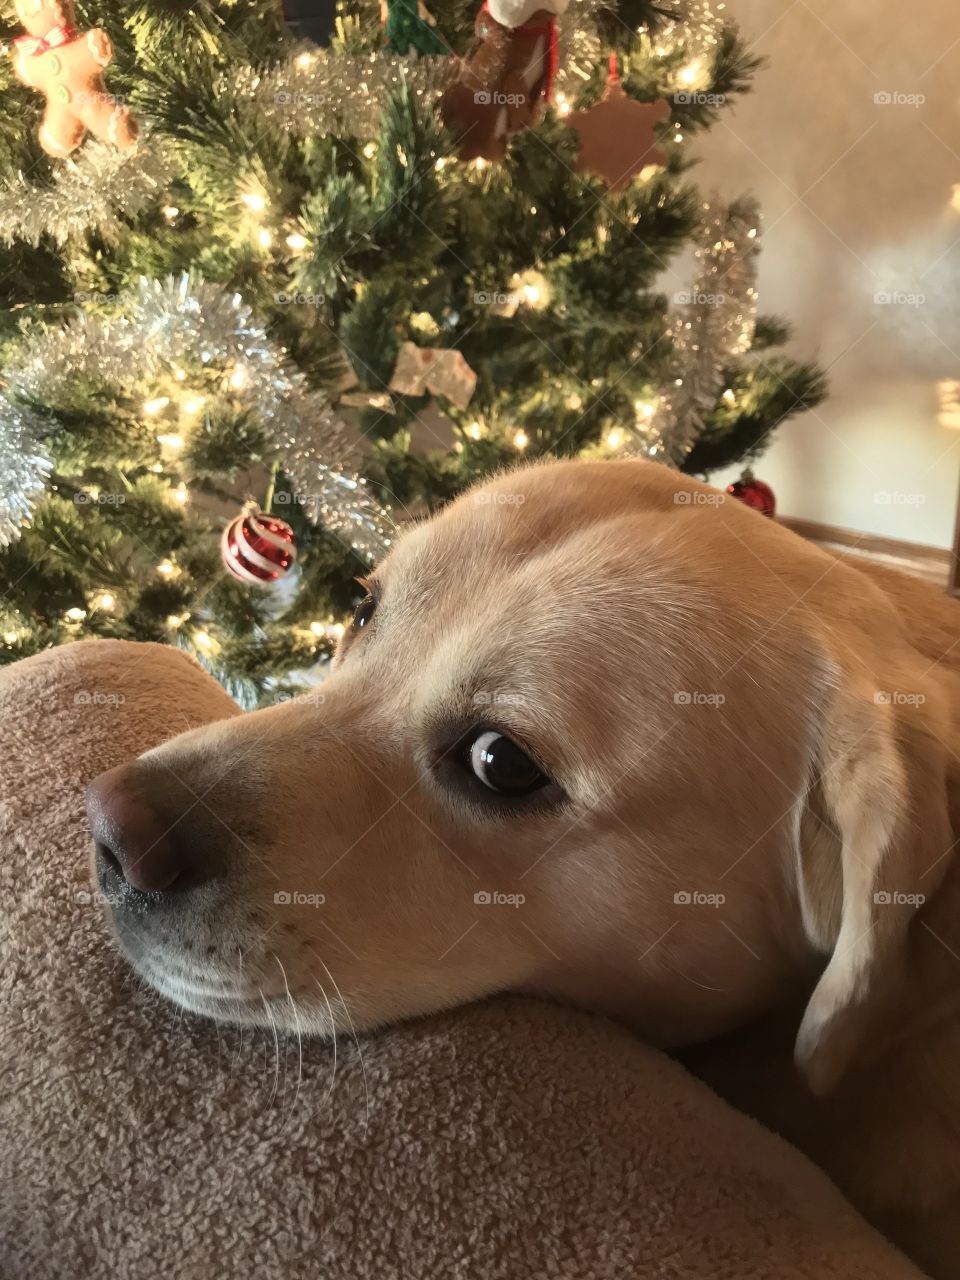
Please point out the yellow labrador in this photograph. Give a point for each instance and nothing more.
(599, 734)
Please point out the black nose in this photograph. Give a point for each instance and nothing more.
(136, 822)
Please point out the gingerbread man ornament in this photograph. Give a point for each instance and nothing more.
(66, 66)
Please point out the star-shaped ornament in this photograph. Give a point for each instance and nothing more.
(618, 135)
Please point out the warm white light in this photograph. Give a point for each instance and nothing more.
(194, 404)
(179, 494)
(689, 74)
(179, 375)
(170, 212)
(265, 238)
(678, 137)
(166, 568)
(521, 440)
(532, 294)
(563, 105)
(752, 233)
(370, 150)
(296, 242)
(254, 200)
(729, 396)
(335, 630)
(75, 615)
(10, 637)
(238, 378)
(304, 59)
(203, 639)
(154, 406)
(318, 628)
(170, 441)
(614, 438)
(157, 467)
(475, 431)
(440, 164)
(644, 408)
(104, 601)
(479, 164)
(175, 620)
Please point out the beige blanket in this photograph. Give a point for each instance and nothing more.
(512, 1139)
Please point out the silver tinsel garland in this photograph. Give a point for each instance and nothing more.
(320, 91)
(24, 468)
(89, 192)
(715, 324)
(168, 323)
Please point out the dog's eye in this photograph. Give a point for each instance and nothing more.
(364, 612)
(501, 765)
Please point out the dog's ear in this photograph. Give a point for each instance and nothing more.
(875, 844)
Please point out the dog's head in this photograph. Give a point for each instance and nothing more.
(560, 751)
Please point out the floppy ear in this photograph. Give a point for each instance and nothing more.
(874, 846)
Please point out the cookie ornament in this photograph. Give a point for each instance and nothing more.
(66, 66)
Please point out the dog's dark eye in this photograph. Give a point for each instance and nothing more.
(501, 765)
(364, 612)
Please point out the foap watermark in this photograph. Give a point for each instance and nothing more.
(294, 898)
(898, 98)
(698, 698)
(284, 299)
(98, 698)
(498, 698)
(311, 699)
(696, 299)
(898, 298)
(493, 898)
(696, 498)
(95, 898)
(91, 296)
(899, 698)
(894, 898)
(498, 498)
(494, 98)
(691, 97)
(696, 898)
(493, 298)
(93, 498)
(284, 98)
(896, 498)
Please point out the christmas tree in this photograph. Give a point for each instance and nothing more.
(346, 282)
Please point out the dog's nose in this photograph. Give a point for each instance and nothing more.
(136, 836)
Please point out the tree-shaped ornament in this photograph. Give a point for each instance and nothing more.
(618, 134)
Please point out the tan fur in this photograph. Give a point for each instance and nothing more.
(732, 713)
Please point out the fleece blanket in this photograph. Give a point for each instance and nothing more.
(512, 1139)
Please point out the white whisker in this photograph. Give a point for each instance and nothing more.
(333, 1032)
(356, 1041)
(296, 1019)
(276, 1048)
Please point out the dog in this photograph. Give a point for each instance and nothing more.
(601, 734)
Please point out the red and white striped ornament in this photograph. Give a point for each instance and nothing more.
(258, 548)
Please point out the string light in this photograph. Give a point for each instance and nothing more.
(103, 601)
(563, 105)
(75, 614)
(318, 628)
(170, 441)
(265, 238)
(238, 378)
(335, 630)
(194, 404)
(729, 396)
(479, 164)
(521, 439)
(296, 242)
(440, 165)
(643, 408)
(175, 620)
(10, 637)
(170, 212)
(370, 150)
(304, 60)
(179, 494)
(614, 438)
(166, 569)
(154, 406)
(474, 431)
(204, 640)
(179, 375)
(254, 200)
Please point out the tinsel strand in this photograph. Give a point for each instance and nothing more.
(171, 322)
(90, 192)
(715, 325)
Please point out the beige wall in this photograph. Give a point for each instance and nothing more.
(856, 196)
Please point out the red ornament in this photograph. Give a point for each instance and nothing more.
(754, 493)
(258, 548)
